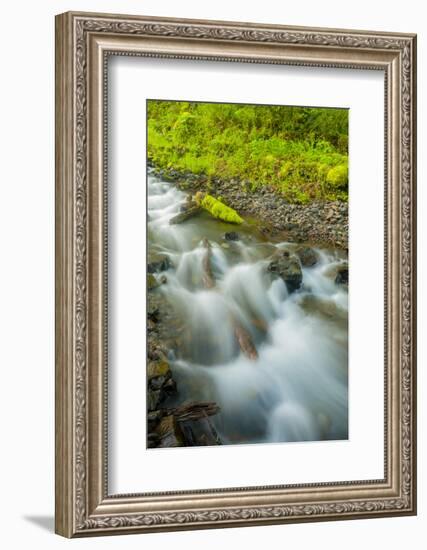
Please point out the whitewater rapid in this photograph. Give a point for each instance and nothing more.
(297, 389)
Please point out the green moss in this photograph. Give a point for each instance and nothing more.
(158, 368)
(301, 152)
(218, 209)
(151, 281)
(337, 177)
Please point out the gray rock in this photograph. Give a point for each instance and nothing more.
(342, 276)
(158, 263)
(231, 236)
(288, 268)
(153, 313)
(152, 282)
(153, 399)
(308, 257)
(338, 273)
(153, 418)
(152, 439)
(169, 432)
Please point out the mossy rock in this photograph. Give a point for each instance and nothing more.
(217, 209)
(151, 282)
(158, 368)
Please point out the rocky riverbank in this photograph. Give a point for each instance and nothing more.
(318, 223)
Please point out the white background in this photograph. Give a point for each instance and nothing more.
(133, 468)
(26, 299)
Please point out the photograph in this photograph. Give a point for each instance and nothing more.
(247, 273)
(235, 271)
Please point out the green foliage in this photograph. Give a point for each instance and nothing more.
(337, 177)
(302, 152)
(217, 208)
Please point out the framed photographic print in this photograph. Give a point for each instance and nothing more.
(235, 274)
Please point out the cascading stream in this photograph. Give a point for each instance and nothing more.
(296, 390)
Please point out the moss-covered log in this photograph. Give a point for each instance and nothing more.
(217, 209)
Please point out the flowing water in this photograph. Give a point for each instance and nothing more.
(296, 390)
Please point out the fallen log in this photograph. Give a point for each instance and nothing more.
(243, 337)
(195, 410)
(185, 215)
(217, 209)
(245, 341)
(207, 276)
(194, 423)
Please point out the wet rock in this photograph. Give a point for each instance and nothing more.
(158, 368)
(322, 307)
(158, 264)
(170, 387)
(169, 432)
(153, 399)
(151, 325)
(288, 268)
(196, 427)
(153, 313)
(290, 226)
(231, 236)
(199, 433)
(338, 273)
(152, 282)
(342, 276)
(153, 418)
(160, 383)
(308, 257)
(152, 439)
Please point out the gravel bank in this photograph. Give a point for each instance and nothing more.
(317, 223)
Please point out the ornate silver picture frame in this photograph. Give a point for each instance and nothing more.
(84, 42)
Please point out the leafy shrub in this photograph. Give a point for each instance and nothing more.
(337, 177)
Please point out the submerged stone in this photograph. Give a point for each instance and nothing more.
(231, 236)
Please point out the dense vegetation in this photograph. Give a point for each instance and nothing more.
(302, 152)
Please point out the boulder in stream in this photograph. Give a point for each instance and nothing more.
(160, 383)
(158, 263)
(169, 432)
(231, 236)
(196, 427)
(287, 266)
(338, 273)
(342, 276)
(308, 257)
